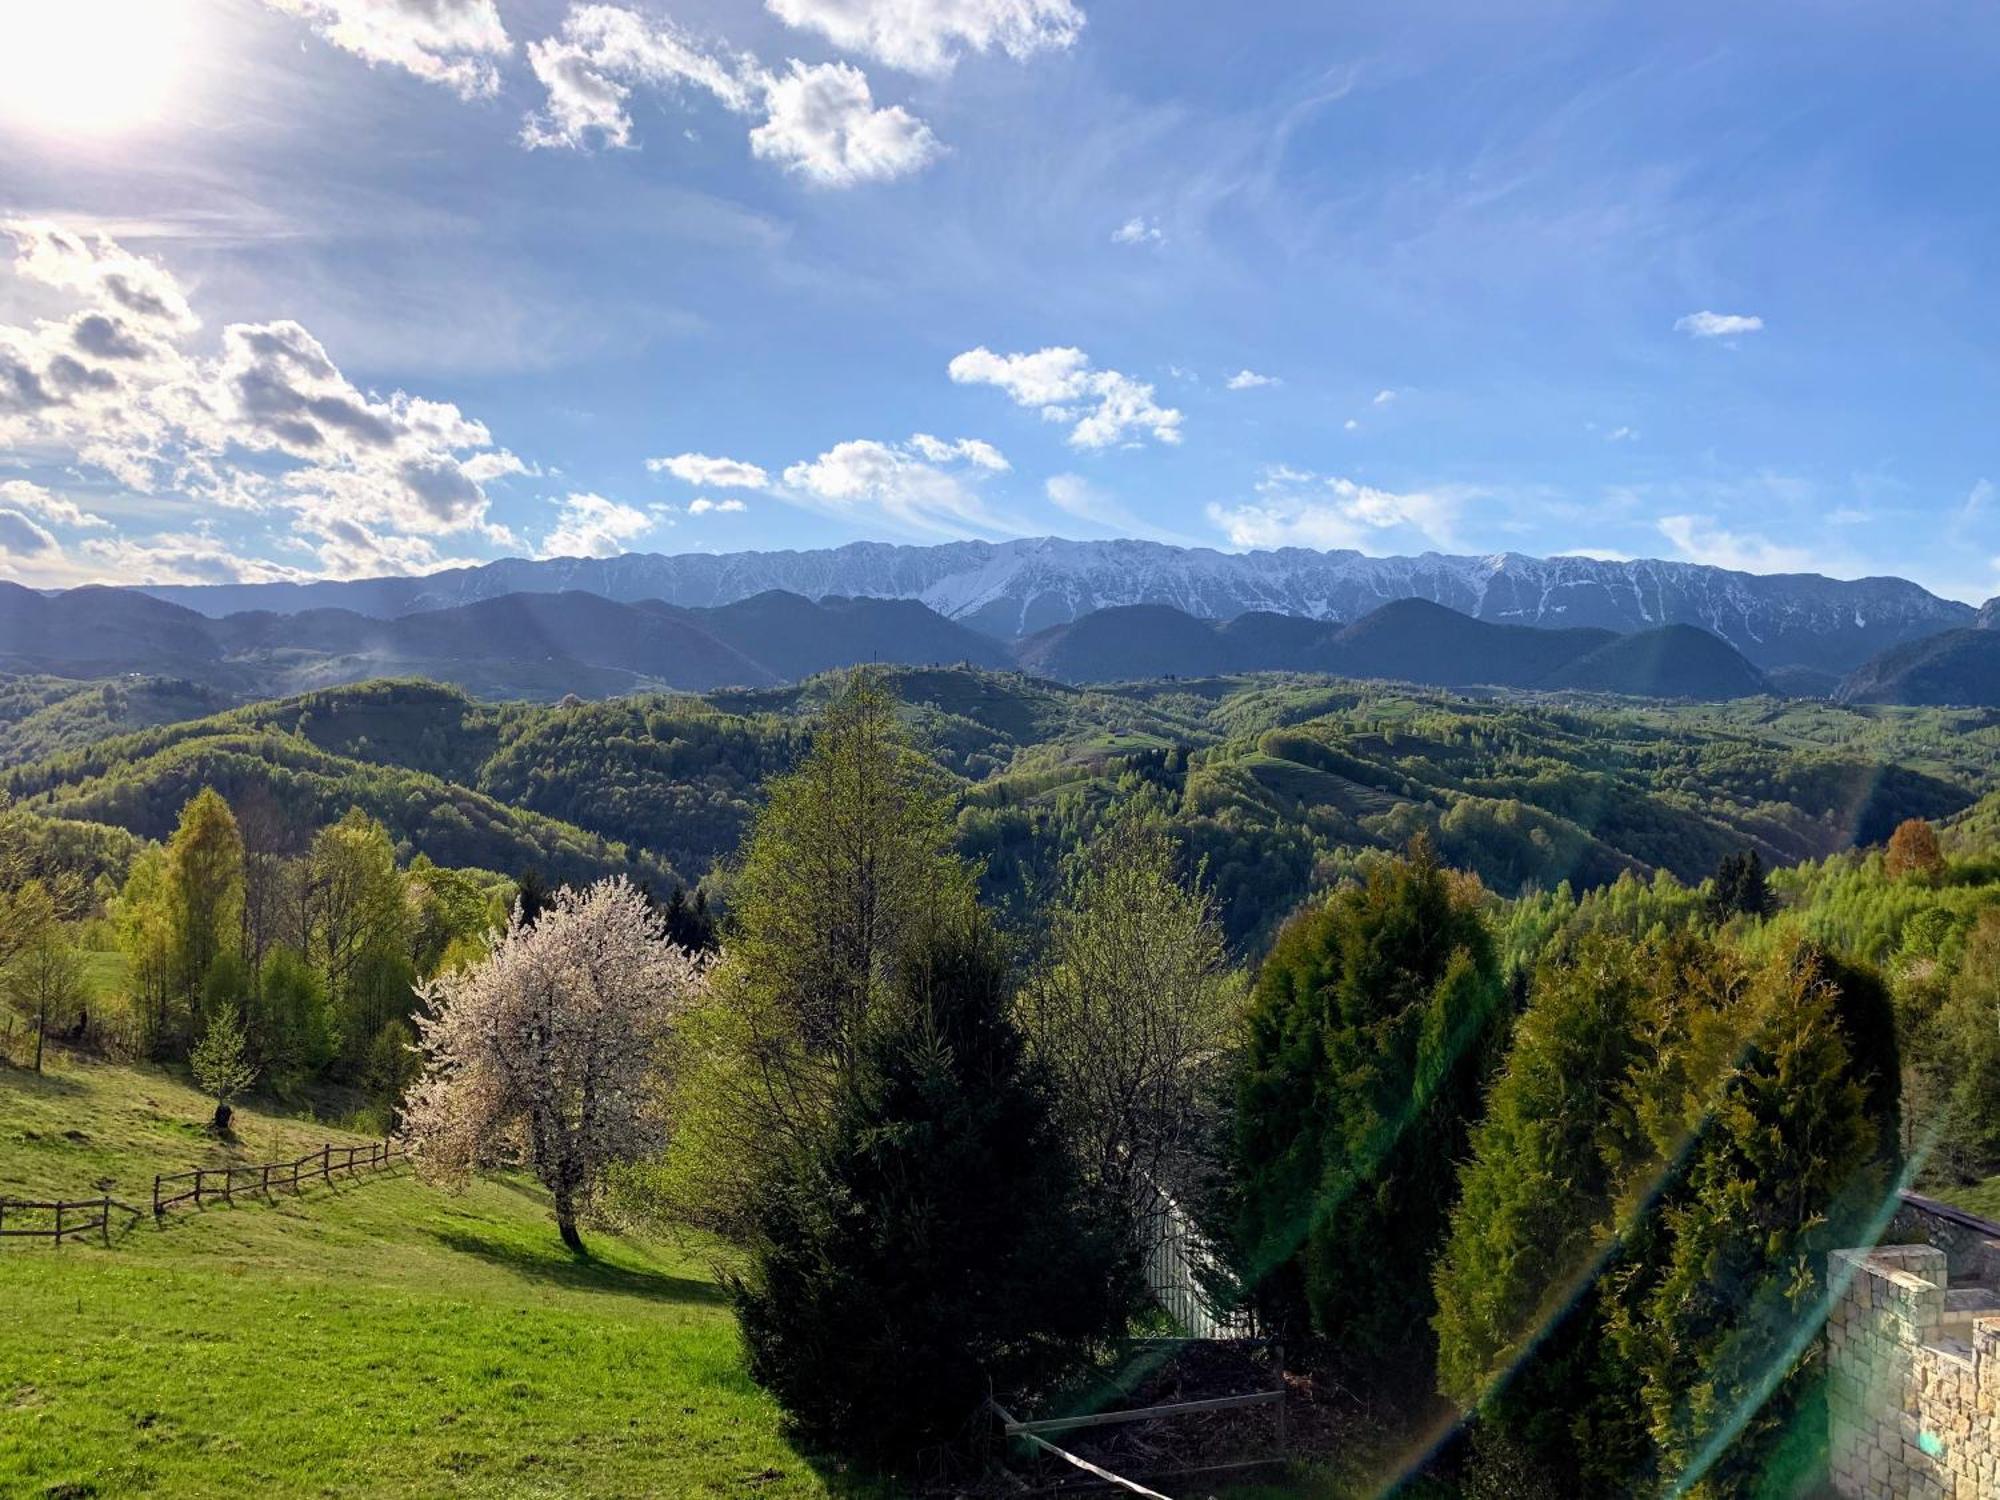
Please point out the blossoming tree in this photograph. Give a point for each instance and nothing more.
(547, 1050)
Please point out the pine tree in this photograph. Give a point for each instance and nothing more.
(1373, 1027)
(1785, 1166)
(934, 1235)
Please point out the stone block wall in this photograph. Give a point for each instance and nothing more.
(1914, 1393)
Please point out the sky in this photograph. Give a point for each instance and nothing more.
(338, 288)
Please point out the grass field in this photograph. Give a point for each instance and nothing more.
(370, 1338)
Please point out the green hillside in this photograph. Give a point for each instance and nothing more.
(1282, 784)
(372, 1338)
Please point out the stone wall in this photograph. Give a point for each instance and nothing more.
(1914, 1379)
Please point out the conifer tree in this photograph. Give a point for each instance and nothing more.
(934, 1237)
(1372, 1028)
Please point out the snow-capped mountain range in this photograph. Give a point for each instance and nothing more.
(1015, 588)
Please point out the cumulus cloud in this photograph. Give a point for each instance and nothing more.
(711, 473)
(819, 120)
(1103, 407)
(929, 36)
(1250, 380)
(1701, 539)
(178, 557)
(602, 52)
(1295, 509)
(823, 123)
(589, 525)
(267, 423)
(23, 536)
(24, 496)
(456, 43)
(928, 486)
(703, 506)
(1137, 231)
(1715, 325)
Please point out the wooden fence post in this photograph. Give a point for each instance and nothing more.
(59, 1228)
(156, 1195)
(326, 1162)
(104, 1208)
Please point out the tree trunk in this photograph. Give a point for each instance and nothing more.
(566, 1223)
(41, 1035)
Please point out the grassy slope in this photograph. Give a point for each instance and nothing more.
(373, 1338)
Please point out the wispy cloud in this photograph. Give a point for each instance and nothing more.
(929, 37)
(1296, 509)
(1137, 231)
(1715, 325)
(1250, 380)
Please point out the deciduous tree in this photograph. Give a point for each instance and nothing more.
(550, 1047)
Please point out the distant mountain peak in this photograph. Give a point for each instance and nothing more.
(1989, 614)
(1013, 589)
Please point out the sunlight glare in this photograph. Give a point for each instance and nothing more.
(91, 67)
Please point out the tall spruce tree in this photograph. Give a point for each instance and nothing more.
(934, 1237)
(1373, 1025)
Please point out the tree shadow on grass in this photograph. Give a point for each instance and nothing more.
(49, 1085)
(585, 1275)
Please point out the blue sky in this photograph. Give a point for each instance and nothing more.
(309, 287)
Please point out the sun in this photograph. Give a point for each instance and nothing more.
(91, 67)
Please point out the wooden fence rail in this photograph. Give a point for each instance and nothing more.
(206, 1183)
(64, 1223)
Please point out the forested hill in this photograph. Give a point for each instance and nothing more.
(1279, 785)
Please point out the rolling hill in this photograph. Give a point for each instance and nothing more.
(1960, 667)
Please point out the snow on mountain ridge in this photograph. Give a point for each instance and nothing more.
(1015, 588)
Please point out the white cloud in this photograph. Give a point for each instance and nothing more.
(1350, 425)
(1076, 496)
(1302, 510)
(22, 495)
(589, 525)
(602, 53)
(1103, 406)
(21, 536)
(178, 557)
(268, 422)
(1714, 325)
(1137, 231)
(819, 120)
(1250, 380)
(823, 124)
(1700, 539)
(979, 454)
(452, 42)
(899, 480)
(711, 473)
(1384, 398)
(704, 506)
(929, 36)
(1595, 554)
(1621, 435)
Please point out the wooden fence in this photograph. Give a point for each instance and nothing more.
(208, 1183)
(68, 1217)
